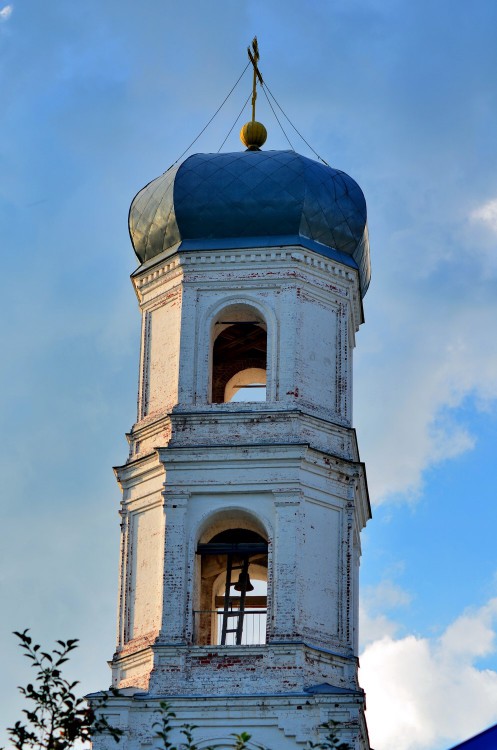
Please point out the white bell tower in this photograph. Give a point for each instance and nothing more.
(243, 494)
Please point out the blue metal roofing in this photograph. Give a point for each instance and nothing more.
(254, 198)
(486, 740)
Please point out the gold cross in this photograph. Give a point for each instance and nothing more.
(254, 59)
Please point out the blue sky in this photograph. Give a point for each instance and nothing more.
(98, 99)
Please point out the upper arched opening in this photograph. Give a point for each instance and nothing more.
(239, 355)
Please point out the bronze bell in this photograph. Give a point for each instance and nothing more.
(243, 583)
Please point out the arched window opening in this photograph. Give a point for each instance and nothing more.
(239, 357)
(233, 589)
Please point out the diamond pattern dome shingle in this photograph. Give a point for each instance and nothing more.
(253, 198)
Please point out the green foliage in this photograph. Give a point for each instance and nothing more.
(56, 718)
(164, 728)
(240, 741)
(331, 741)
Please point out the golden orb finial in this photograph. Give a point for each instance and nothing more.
(253, 135)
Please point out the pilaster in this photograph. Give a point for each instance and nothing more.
(288, 525)
(175, 563)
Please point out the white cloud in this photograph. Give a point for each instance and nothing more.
(6, 12)
(386, 595)
(479, 234)
(429, 692)
(435, 352)
(487, 214)
(375, 601)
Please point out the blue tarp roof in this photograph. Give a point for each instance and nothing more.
(486, 740)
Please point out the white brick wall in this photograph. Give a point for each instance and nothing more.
(287, 468)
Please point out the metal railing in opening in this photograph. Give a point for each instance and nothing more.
(245, 627)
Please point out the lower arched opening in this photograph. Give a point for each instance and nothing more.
(233, 589)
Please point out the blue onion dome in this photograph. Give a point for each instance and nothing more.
(253, 198)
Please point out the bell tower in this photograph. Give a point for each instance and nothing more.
(243, 493)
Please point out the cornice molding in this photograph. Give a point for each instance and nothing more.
(187, 262)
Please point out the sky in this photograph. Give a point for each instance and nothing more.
(99, 98)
